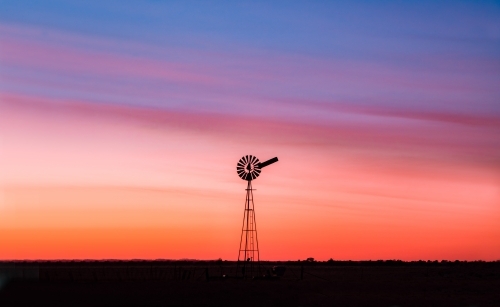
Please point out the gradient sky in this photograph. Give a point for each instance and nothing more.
(121, 124)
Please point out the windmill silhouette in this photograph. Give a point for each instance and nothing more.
(249, 168)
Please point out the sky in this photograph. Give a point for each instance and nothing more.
(121, 123)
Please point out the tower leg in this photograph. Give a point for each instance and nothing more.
(248, 255)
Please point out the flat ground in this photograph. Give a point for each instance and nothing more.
(185, 283)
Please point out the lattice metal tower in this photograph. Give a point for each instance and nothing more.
(248, 169)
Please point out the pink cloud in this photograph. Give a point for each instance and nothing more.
(451, 117)
(439, 142)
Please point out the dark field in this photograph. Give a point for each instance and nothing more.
(200, 283)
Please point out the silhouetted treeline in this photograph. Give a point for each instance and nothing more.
(309, 261)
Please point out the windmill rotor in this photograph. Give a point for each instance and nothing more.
(248, 167)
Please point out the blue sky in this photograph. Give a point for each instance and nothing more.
(456, 40)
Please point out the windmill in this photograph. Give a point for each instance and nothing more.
(249, 168)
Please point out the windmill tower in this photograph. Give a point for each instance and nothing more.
(248, 169)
